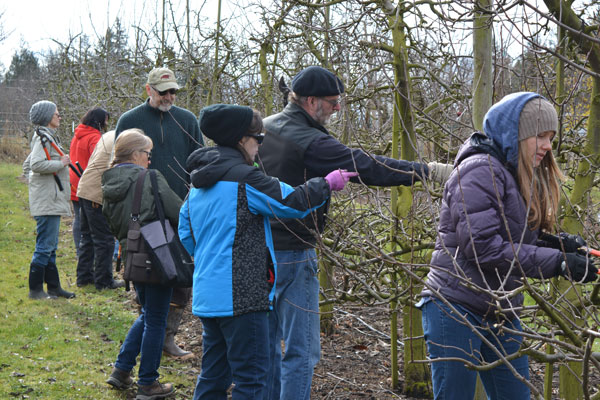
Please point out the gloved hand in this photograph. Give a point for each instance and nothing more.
(570, 242)
(337, 179)
(576, 267)
(439, 172)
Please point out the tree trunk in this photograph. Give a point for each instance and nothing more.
(416, 375)
(482, 60)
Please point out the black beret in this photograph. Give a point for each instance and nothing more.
(318, 82)
(225, 124)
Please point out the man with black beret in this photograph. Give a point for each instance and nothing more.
(297, 147)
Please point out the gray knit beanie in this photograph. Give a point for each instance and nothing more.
(538, 115)
(41, 113)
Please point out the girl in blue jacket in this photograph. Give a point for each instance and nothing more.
(224, 224)
(500, 198)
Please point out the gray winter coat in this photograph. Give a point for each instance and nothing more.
(45, 198)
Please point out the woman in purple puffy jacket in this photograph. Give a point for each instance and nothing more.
(498, 209)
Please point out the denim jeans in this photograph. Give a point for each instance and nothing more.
(235, 350)
(46, 240)
(147, 334)
(295, 319)
(95, 248)
(76, 224)
(447, 335)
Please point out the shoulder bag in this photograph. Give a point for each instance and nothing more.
(138, 265)
(170, 259)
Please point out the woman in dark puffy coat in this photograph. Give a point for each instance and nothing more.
(501, 196)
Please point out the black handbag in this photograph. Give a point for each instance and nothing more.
(169, 258)
(138, 265)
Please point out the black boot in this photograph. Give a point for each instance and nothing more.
(170, 348)
(53, 281)
(36, 283)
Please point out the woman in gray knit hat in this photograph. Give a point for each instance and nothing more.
(495, 230)
(48, 175)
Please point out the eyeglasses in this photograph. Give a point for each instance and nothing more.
(57, 115)
(332, 102)
(259, 138)
(164, 92)
(148, 153)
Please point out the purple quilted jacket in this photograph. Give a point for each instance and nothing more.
(483, 236)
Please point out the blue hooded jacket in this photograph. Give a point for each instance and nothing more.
(224, 224)
(483, 233)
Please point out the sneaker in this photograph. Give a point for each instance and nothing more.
(120, 379)
(154, 391)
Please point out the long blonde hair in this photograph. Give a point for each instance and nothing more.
(128, 142)
(540, 189)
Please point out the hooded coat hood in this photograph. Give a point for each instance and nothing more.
(208, 165)
(501, 124)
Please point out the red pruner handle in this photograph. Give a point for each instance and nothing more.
(593, 252)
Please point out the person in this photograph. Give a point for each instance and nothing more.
(84, 140)
(297, 146)
(224, 224)
(176, 134)
(48, 176)
(132, 153)
(503, 191)
(95, 264)
(96, 243)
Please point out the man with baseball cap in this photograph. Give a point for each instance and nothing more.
(297, 147)
(175, 134)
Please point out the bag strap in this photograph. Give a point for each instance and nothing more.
(157, 201)
(137, 196)
(190, 217)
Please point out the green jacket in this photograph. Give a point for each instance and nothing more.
(118, 187)
(175, 133)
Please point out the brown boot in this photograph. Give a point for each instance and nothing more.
(154, 391)
(170, 348)
(120, 379)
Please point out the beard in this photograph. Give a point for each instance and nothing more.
(321, 115)
(164, 107)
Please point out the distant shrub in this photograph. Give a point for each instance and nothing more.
(13, 149)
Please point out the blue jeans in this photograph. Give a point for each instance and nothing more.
(46, 241)
(235, 350)
(295, 319)
(447, 335)
(147, 334)
(95, 248)
(76, 224)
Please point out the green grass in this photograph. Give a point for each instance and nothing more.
(59, 349)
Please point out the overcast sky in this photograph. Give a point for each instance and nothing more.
(36, 22)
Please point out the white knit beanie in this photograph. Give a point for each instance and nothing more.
(538, 115)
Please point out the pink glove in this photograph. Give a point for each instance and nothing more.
(337, 179)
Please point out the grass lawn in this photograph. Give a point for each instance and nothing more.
(59, 349)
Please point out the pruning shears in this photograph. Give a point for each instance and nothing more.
(45, 140)
(593, 252)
